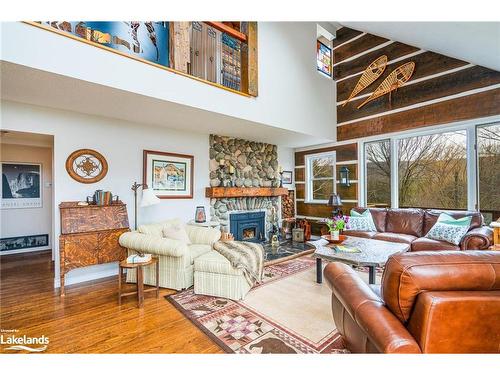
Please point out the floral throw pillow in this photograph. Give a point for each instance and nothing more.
(449, 229)
(362, 222)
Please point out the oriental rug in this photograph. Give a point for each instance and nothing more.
(287, 313)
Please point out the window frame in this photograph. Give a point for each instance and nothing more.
(364, 175)
(309, 181)
(470, 126)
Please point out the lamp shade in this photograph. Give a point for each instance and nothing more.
(334, 201)
(149, 198)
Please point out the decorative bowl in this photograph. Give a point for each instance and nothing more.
(329, 238)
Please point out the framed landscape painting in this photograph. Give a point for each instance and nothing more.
(169, 175)
(21, 185)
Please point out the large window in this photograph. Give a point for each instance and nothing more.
(488, 154)
(438, 170)
(432, 171)
(378, 173)
(320, 176)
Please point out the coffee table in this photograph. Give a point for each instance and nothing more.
(374, 253)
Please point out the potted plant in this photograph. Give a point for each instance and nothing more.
(336, 225)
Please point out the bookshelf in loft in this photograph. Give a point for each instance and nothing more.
(223, 53)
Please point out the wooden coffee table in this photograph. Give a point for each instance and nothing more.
(374, 253)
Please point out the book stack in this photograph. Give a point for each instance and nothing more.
(103, 198)
(137, 258)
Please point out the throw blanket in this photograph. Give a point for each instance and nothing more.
(246, 256)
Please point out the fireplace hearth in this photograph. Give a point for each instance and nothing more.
(248, 226)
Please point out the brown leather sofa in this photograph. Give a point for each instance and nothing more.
(410, 225)
(429, 302)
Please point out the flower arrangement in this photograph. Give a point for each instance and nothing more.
(337, 223)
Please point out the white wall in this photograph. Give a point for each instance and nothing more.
(28, 221)
(122, 144)
(292, 95)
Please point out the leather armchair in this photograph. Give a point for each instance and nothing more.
(429, 302)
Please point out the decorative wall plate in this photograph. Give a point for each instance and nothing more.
(370, 75)
(396, 79)
(86, 166)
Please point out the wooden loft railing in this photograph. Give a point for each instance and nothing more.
(221, 54)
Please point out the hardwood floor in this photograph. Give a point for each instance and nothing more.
(88, 319)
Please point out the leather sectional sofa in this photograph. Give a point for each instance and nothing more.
(410, 225)
(429, 302)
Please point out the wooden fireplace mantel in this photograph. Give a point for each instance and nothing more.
(235, 192)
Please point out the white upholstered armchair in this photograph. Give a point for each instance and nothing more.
(176, 258)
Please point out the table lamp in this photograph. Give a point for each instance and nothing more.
(335, 202)
(148, 199)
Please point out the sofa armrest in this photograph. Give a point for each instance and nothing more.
(202, 235)
(480, 238)
(368, 311)
(146, 243)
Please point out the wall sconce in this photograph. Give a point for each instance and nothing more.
(344, 176)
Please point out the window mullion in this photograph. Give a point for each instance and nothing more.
(394, 173)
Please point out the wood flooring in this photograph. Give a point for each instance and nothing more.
(88, 319)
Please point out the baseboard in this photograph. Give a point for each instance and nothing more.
(81, 275)
(28, 250)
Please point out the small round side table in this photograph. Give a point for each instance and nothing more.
(140, 280)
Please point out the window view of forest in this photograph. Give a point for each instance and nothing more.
(432, 171)
(321, 176)
(488, 150)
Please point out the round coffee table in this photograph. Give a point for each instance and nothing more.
(139, 280)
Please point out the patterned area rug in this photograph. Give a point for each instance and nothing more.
(288, 313)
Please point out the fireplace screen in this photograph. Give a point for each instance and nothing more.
(248, 234)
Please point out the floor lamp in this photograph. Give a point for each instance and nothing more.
(148, 199)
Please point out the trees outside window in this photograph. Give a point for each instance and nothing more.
(378, 173)
(320, 177)
(488, 156)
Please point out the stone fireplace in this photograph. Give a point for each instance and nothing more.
(253, 165)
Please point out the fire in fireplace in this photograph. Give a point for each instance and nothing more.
(248, 226)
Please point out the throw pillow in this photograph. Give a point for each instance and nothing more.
(176, 231)
(449, 229)
(362, 222)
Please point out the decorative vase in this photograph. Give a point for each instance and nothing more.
(335, 235)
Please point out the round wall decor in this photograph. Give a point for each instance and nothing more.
(86, 166)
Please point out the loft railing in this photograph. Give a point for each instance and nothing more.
(222, 54)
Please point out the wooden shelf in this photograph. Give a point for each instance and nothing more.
(234, 192)
(228, 30)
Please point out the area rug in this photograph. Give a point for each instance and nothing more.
(288, 313)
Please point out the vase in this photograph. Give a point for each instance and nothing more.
(335, 235)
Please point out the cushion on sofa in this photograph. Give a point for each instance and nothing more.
(379, 216)
(427, 244)
(359, 233)
(156, 229)
(449, 229)
(431, 217)
(176, 231)
(361, 221)
(405, 221)
(214, 262)
(395, 237)
(198, 250)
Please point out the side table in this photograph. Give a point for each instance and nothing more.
(140, 280)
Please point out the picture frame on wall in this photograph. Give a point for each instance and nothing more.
(21, 185)
(169, 175)
(287, 177)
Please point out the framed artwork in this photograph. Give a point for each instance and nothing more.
(21, 185)
(144, 40)
(287, 177)
(324, 59)
(24, 242)
(170, 176)
(86, 166)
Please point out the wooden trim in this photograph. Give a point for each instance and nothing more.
(123, 54)
(228, 30)
(249, 60)
(460, 108)
(465, 80)
(233, 192)
(355, 57)
(145, 154)
(347, 162)
(422, 104)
